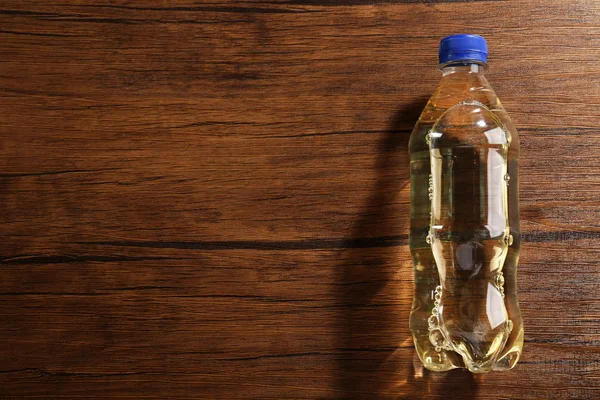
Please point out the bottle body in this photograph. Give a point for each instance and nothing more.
(464, 227)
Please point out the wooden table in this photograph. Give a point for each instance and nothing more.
(210, 200)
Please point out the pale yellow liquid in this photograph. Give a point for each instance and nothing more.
(474, 237)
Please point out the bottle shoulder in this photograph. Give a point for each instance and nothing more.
(455, 89)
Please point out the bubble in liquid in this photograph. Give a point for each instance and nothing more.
(506, 178)
(428, 239)
(436, 339)
(508, 239)
(433, 322)
(430, 189)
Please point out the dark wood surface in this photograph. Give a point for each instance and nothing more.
(210, 199)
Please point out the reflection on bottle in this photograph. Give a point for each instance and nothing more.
(469, 223)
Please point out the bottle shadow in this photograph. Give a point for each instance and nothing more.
(376, 356)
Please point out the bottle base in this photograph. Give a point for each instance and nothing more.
(446, 360)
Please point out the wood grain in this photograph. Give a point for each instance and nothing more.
(210, 199)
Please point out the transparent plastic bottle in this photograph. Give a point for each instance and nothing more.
(464, 220)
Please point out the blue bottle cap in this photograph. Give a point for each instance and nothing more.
(463, 47)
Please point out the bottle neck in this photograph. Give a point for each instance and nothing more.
(460, 81)
(461, 67)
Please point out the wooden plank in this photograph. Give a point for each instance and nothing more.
(301, 314)
(210, 199)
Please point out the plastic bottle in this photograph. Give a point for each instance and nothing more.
(464, 219)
